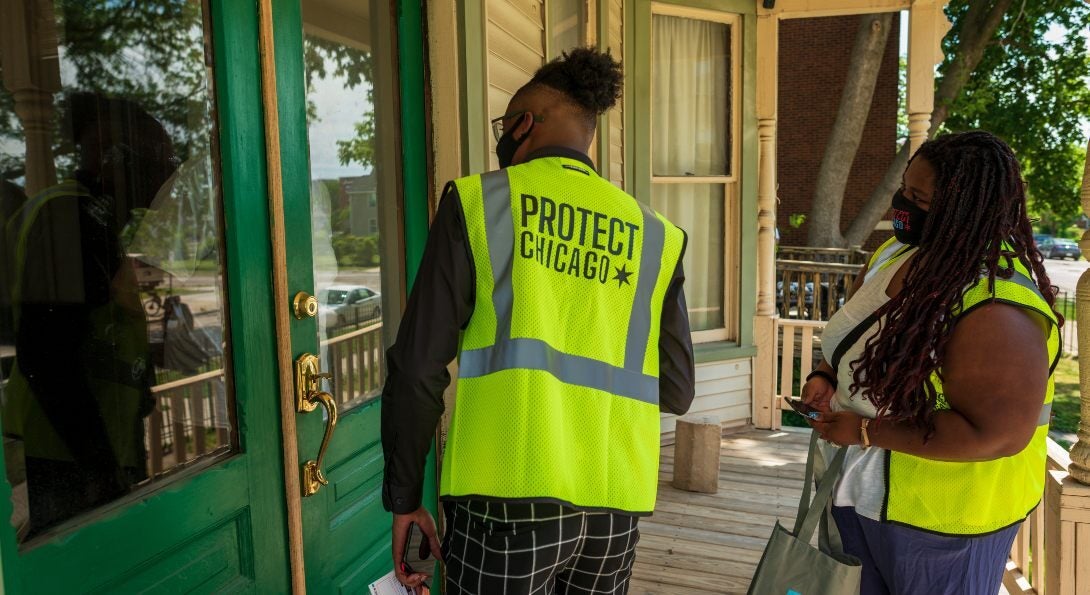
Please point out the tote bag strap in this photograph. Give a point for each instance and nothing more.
(811, 512)
(829, 536)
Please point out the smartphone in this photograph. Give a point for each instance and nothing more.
(803, 409)
(415, 558)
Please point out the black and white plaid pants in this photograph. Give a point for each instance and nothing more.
(494, 548)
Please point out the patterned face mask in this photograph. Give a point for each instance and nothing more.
(908, 220)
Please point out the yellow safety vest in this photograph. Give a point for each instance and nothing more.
(558, 371)
(117, 380)
(976, 498)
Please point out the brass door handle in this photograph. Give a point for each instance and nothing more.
(313, 478)
(308, 396)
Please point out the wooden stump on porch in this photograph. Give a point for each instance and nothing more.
(696, 454)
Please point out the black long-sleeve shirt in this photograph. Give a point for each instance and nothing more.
(440, 306)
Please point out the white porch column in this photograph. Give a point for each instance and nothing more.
(927, 25)
(1080, 453)
(28, 49)
(1067, 495)
(765, 407)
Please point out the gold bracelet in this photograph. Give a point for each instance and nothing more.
(863, 434)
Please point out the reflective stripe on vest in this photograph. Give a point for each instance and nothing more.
(112, 356)
(533, 354)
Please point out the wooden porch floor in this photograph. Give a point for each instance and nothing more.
(710, 543)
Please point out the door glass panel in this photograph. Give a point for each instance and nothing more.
(348, 200)
(112, 342)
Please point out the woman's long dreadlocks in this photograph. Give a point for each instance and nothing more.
(976, 225)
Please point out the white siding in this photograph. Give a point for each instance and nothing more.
(615, 43)
(515, 39)
(723, 389)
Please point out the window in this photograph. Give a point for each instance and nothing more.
(114, 355)
(568, 25)
(694, 156)
(355, 235)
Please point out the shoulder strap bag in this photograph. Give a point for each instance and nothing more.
(790, 565)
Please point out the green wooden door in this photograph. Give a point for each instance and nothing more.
(140, 402)
(355, 223)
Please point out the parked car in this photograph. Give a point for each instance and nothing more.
(341, 305)
(1059, 248)
(1040, 237)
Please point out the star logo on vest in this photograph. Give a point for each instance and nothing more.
(622, 275)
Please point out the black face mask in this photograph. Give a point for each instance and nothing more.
(505, 149)
(908, 220)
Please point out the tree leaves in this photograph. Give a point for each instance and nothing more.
(1032, 89)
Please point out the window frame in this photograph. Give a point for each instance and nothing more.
(589, 35)
(732, 192)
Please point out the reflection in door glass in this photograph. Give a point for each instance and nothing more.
(345, 197)
(111, 310)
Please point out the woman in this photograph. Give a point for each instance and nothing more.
(943, 392)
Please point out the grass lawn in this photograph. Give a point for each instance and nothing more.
(1066, 306)
(1065, 406)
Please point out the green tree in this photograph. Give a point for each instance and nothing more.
(148, 51)
(1035, 94)
(1000, 73)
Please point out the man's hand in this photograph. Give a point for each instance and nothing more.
(818, 393)
(423, 519)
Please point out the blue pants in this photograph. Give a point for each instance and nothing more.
(899, 560)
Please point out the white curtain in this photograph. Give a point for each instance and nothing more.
(691, 137)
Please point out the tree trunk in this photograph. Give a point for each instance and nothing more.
(977, 30)
(851, 119)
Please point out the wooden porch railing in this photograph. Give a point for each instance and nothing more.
(810, 290)
(796, 355)
(1050, 553)
(854, 255)
(357, 360)
(1040, 542)
(190, 420)
(191, 416)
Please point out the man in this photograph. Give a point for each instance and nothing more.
(81, 383)
(562, 297)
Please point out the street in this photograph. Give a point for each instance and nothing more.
(1065, 273)
(199, 292)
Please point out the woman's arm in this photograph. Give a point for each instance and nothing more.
(995, 376)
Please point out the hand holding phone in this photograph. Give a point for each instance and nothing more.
(802, 408)
(423, 552)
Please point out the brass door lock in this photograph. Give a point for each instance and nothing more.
(304, 305)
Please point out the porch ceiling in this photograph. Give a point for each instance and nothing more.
(344, 21)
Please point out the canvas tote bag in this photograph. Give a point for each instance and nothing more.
(790, 565)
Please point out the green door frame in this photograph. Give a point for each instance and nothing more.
(412, 57)
(159, 541)
(414, 146)
(329, 563)
(145, 529)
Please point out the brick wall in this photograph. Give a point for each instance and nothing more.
(814, 57)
